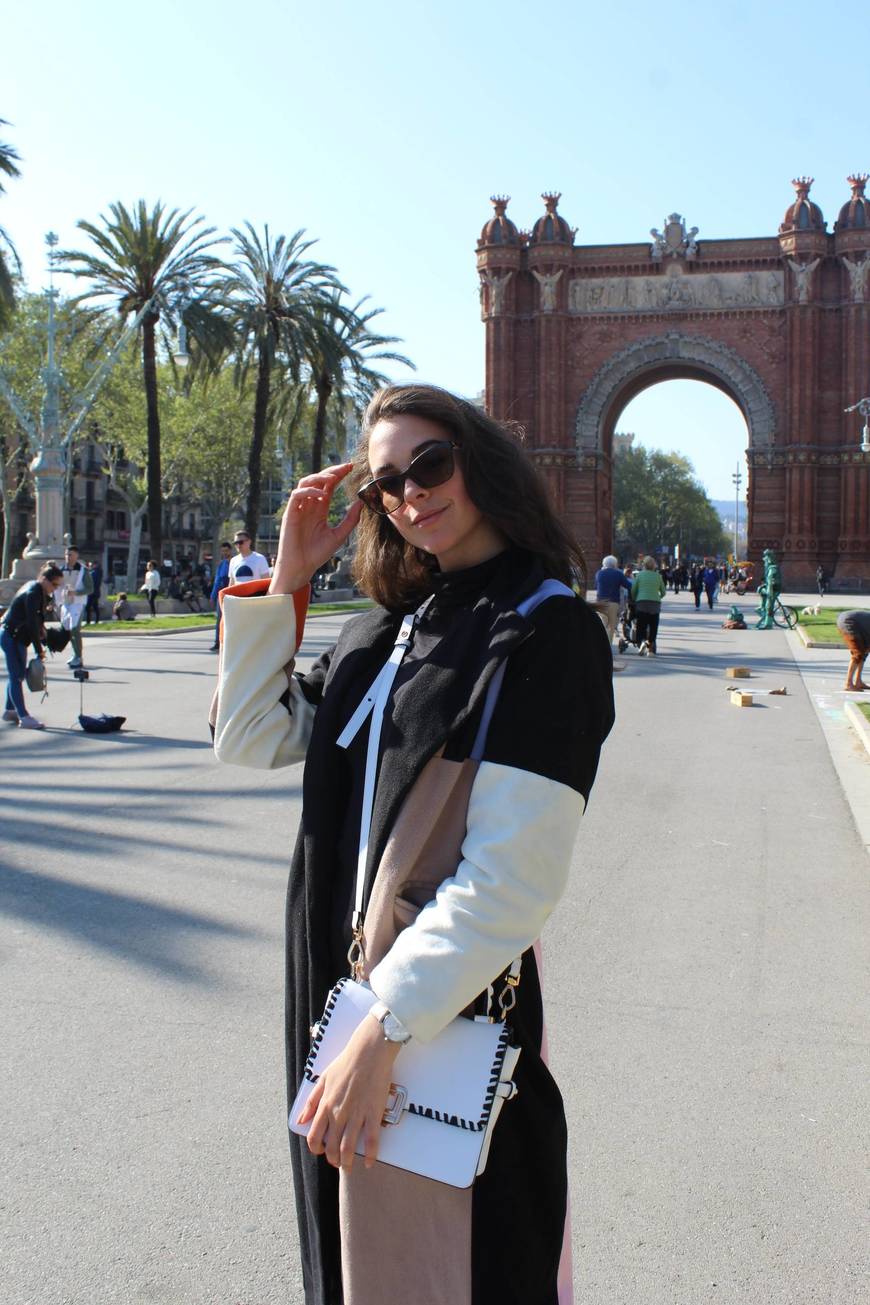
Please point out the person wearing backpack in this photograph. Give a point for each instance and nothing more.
(24, 624)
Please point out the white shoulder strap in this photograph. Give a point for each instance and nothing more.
(374, 703)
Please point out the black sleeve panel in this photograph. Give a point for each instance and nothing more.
(312, 682)
(555, 708)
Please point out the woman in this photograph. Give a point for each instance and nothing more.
(647, 592)
(854, 627)
(448, 506)
(610, 583)
(151, 587)
(23, 624)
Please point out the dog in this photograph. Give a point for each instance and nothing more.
(812, 611)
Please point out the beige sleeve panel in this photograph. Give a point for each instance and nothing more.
(514, 868)
(253, 727)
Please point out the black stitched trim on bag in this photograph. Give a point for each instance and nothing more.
(321, 1029)
(424, 1112)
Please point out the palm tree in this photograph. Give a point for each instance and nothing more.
(8, 168)
(155, 264)
(273, 294)
(340, 357)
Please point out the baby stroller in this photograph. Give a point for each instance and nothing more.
(627, 626)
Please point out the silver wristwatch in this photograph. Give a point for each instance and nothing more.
(393, 1029)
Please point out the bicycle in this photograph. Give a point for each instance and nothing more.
(784, 616)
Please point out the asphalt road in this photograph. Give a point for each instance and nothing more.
(706, 982)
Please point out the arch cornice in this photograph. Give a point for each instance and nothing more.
(695, 352)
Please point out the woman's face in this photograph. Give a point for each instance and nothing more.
(442, 521)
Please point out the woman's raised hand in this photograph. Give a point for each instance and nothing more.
(307, 539)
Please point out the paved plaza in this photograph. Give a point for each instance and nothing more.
(706, 983)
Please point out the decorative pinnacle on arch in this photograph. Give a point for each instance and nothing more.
(500, 203)
(858, 181)
(802, 186)
(551, 200)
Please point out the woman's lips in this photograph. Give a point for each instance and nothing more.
(429, 517)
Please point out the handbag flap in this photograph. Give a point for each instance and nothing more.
(452, 1080)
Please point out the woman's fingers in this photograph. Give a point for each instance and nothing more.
(371, 1140)
(349, 522)
(312, 1103)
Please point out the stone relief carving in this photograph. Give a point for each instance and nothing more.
(675, 241)
(632, 294)
(857, 277)
(802, 275)
(497, 287)
(548, 281)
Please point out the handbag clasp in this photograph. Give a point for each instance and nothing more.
(396, 1101)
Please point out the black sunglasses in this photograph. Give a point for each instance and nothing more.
(434, 466)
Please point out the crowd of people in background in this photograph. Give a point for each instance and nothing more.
(631, 597)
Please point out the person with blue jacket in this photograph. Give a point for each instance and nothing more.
(609, 582)
(221, 580)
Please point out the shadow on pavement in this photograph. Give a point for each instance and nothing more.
(145, 933)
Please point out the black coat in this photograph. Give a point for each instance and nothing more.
(555, 709)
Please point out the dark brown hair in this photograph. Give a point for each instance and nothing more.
(50, 571)
(501, 481)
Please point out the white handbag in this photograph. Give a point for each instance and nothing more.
(448, 1094)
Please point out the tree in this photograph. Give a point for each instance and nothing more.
(8, 168)
(154, 266)
(210, 425)
(657, 500)
(340, 356)
(273, 294)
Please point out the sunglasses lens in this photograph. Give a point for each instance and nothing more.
(433, 467)
(430, 468)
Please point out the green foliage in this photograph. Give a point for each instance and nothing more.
(9, 260)
(658, 501)
(146, 267)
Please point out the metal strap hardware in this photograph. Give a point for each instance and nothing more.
(396, 1102)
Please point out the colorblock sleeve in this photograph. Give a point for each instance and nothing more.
(263, 719)
(530, 791)
(514, 867)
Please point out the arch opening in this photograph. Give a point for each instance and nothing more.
(674, 436)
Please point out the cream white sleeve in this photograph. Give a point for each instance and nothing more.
(515, 861)
(253, 726)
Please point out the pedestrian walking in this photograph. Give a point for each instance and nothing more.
(23, 624)
(696, 583)
(821, 580)
(647, 591)
(854, 627)
(609, 585)
(711, 584)
(92, 606)
(456, 528)
(247, 563)
(151, 586)
(221, 580)
(70, 599)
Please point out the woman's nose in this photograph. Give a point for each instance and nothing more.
(413, 490)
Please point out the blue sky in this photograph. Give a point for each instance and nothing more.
(383, 128)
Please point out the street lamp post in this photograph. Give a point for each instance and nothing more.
(52, 447)
(737, 478)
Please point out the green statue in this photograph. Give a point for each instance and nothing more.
(735, 618)
(769, 590)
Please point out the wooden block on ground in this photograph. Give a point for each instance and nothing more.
(739, 698)
(737, 673)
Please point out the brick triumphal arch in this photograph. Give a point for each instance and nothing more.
(780, 323)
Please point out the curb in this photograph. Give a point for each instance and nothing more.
(815, 643)
(859, 722)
